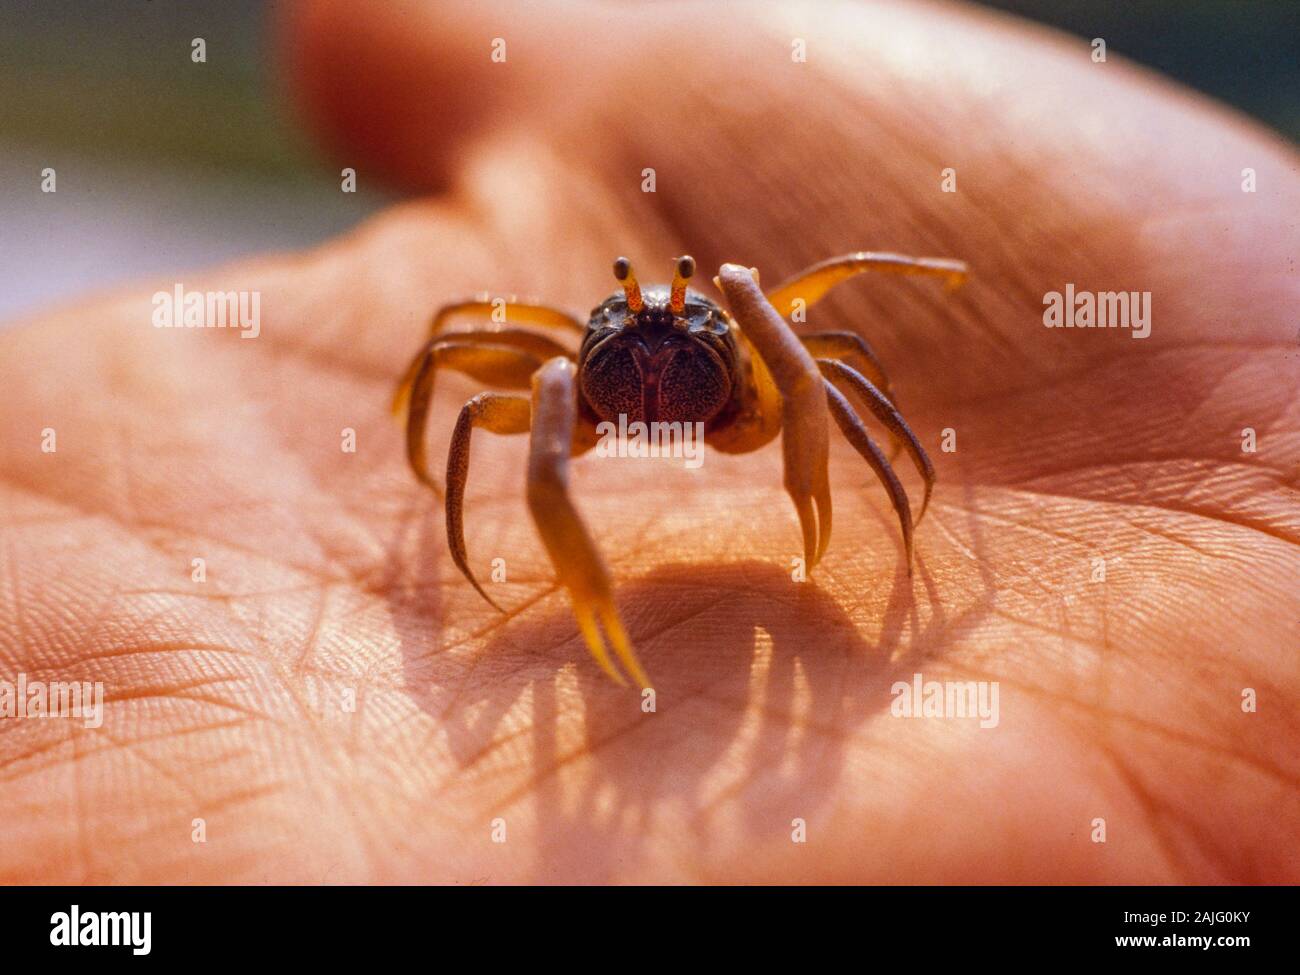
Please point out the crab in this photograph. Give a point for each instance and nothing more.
(664, 353)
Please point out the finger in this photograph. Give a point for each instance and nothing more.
(411, 88)
(399, 91)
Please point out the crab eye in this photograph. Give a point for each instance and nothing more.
(615, 313)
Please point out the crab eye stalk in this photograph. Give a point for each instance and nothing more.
(684, 271)
(623, 271)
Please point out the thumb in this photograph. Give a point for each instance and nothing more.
(403, 88)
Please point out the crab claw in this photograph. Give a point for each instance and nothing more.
(805, 418)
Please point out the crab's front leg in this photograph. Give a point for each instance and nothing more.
(812, 283)
(569, 544)
(805, 419)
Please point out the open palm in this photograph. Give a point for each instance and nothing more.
(335, 702)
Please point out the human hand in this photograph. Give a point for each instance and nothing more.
(327, 577)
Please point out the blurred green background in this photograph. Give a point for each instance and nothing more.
(1243, 52)
(165, 165)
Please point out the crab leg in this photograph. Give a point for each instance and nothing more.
(567, 541)
(805, 437)
(841, 374)
(513, 338)
(812, 283)
(853, 349)
(497, 413)
(510, 368)
(516, 312)
(856, 434)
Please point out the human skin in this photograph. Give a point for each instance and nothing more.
(327, 573)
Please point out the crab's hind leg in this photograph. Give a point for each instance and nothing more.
(805, 436)
(497, 413)
(508, 368)
(540, 346)
(508, 310)
(573, 552)
(811, 284)
(855, 433)
(511, 311)
(845, 377)
(854, 350)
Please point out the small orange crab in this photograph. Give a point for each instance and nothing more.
(665, 354)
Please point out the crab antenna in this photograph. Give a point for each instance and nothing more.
(683, 273)
(623, 271)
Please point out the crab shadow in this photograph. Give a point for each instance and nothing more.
(414, 605)
(760, 683)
